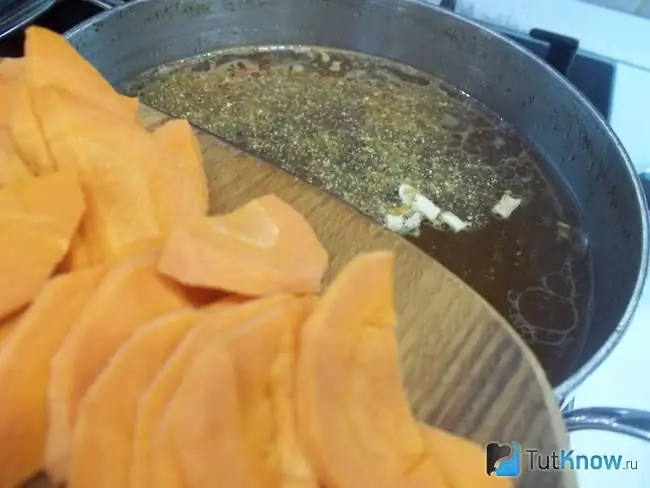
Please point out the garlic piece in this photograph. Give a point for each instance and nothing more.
(455, 223)
(404, 225)
(506, 206)
(412, 224)
(563, 231)
(426, 207)
(418, 202)
(394, 222)
(407, 194)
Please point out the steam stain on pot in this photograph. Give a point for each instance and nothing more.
(360, 126)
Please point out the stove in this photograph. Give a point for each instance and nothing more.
(60, 17)
(594, 77)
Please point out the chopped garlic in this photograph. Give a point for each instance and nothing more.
(400, 210)
(404, 225)
(454, 222)
(407, 194)
(563, 231)
(506, 206)
(412, 224)
(418, 202)
(426, 207)
(335, 66)
(394, 222)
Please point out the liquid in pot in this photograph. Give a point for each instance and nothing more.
(360, 126)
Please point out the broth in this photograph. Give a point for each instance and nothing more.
(360, 126)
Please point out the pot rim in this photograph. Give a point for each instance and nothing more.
(569, 385)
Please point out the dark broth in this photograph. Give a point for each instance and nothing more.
(360, 126)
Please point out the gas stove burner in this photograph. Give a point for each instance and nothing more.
(15, 14)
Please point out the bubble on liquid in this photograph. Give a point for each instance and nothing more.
(518, 189)
(560, 284)
(546, 313)
(521, 171)
(506, 172)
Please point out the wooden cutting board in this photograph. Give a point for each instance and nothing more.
(465, 369)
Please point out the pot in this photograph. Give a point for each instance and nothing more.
(546, 109)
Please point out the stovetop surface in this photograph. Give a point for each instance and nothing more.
(593, 77)
(64, 15)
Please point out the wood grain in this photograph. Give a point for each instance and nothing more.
(464, 367)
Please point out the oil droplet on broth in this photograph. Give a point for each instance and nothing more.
(360, 126)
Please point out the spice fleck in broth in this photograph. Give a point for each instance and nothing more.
(360, 126)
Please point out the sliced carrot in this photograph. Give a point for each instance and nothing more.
(78, 256)
(38, 218)
(26, 131)
(293, 464)
(447, 448)
(178, 136)
(132, 294)
(12, 70)
(12, 167)
(12, 73)
(6, 90)
(178, 181)
(109, 156)
(349, 391)
(243, 454)
(51, 60)
(193, 430)
(281, 310)
(206, 406)
(262, 247)
(8, 325)
(103, 437)
(25, 371)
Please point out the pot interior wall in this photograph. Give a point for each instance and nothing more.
(556, 120)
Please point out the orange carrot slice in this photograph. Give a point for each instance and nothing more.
(349, 391)
(293, 464)
(26, 132)
(8, 325)
(446, 448)
(279, 310)
(178, 181)
(12, 168)
(103, 436)
(25, 371)
(193, 430)
(261, 248)
(11, 73)
(12, 69)
(132, 294)
(108, 154)
(37, 220)
(51, 60)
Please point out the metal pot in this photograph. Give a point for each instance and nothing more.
(547, 110)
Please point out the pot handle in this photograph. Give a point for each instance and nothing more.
(632, 422)
(635, 423)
